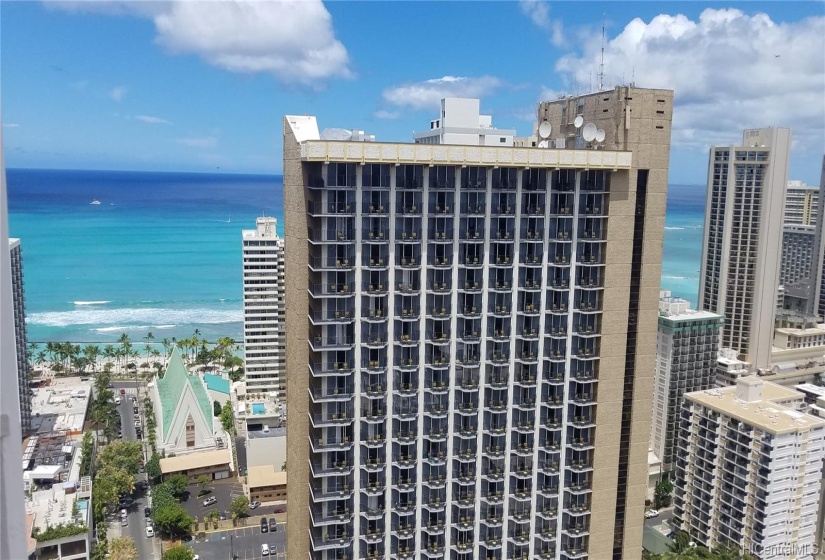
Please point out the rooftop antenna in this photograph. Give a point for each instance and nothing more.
(601, 62)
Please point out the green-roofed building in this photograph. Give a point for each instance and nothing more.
(183, 410)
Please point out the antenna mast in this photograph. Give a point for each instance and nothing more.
(601, 62)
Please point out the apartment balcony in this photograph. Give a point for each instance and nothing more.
(556, 308)
(434, 483)
(530, 260)
(331, 418)
(436, 434)
(523, 449)
(473, 209)
(411, 338)
(504, 235)
(407, 314)
(467, 408)
(549, 467)
(548, 513)
(328, 516)
(329, 393)
(331, 468)
(331, 290)
(374, 415)
(439, 362)
(494, 451)
(375, 235)
(532, 235)
(503, 210)
(408, 263)
(322, 444)
(584, 376)
(322, 541)
(330, 315)
(319, 236)
(585, 421)
(574, 553)
(376, 263)
(338, 209)
(440, 236)
(501, 260)
(436, 410)
(465, 457)
(438, 337)
(561, 209)
(585, 353)
(330, 368)
(332, 263)
(440, 262)
(577, 509)
(325, 493)
(436, 387)
(439, 287)
(405, 389)
(410, 288)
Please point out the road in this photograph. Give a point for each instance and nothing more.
(655, 539)
(148, 548)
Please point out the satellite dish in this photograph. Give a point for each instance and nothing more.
(545, 128)
(579, 121)
(600, 135)
(544, 144)
(589, 132)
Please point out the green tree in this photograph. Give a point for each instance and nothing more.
(216, 408)
(239, 506)
(662, 492)
(123, 548)
(162, 497)
(110, 484)
(203, 481)
(179, 553)
(177, 484)
(87, 448)
(227, 418)
(153, 467)
(174, 520)
(125, 455)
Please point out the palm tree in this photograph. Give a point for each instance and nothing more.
(92, 352)
(166, 345)
(40, 359)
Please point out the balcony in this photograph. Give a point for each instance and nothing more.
(409, 287)
(328, 541)
(334, 468)
(501, 260)
(441, 262)
(376, 263)
(323, 493)
(471, 261)
(376, 235)
(471, 287)
(332, 263)
(331, 393)
(328, 419)
(344, 289)
(330, 343)
(319, 209)
(440, 236)
(324, 369)
(324, 236)
(531, 260)
(332, 315)
(374, 415)
(330, 444)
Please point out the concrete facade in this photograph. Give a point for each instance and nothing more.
(797, 253)
(263, 299)
(458, 315)
(817, 299)
(742, 239)
(749, 470)
(686, 352)
(801, 204)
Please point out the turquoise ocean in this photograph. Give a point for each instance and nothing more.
(162, 251)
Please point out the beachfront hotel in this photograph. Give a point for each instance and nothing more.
(686, 354)
(263, 301)
(739, 277)
(472, 337)
(749, 469)
(18, 299)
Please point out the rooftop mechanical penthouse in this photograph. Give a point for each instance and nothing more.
(471, 334)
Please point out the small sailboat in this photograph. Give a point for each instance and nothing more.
(95, 202)
(229, 220)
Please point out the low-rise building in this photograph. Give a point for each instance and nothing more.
(265, 484)
(749, 469)
(217, 465)
(61, 516)
(261, 418)
(729, 367)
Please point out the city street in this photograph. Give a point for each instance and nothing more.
(244, 542)
(655, 532)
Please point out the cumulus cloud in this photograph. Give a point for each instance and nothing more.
(117, 92)
(388, 115)
(150, 119)
(729, 71)
(539, 12)
(198, 141)
(428, 94)
(293, 40)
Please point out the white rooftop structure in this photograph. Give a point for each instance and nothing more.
(461, 123)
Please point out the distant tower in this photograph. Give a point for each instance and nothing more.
(686, 349)
(817, 299)
(743, 231)
(264, 312)
(21, 342)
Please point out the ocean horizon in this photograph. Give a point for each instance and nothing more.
(161, 252)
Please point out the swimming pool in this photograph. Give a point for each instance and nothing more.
(258, 408)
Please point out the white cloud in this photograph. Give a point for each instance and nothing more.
(428, 94)
(150, 119)
(539, 12)
(117, 92)
(293, 40)
(388, 115)
(11, 125)
(198, 141)
(729, 71)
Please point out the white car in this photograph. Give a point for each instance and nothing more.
(209, 501)
(651, 513)
(137, 423)
(117, 400)
(150, 532)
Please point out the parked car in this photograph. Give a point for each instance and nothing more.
(123, 391)
(124, 522)
(651, 513)
(137, 423)
(117, 400)
(222, 516)
(273, 525)
(253, 505)
(147, 512)
(264, 526)
(264, 549)
(209, 501)
(150, 532)
(279, 510)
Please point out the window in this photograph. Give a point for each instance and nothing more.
(190, 432)
(502, 140)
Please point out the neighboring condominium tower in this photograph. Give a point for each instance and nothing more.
(469, 330)
(264, 334)
(686, 351)
(21, 344)
(742, 240)
(749, 470)
(817, 299)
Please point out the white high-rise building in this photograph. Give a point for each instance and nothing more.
(461, 123)
(816, 301)
(21, 341)
(749, 470)
(742, 239)
(470, 368)
(686, 350)
(801, 204)
(264, 309)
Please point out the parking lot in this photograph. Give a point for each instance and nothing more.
(245, 542)
(223, 491)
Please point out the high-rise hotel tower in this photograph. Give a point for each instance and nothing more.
(743, 238)
(472, 335)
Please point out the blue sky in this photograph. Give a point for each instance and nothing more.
(196, 86)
